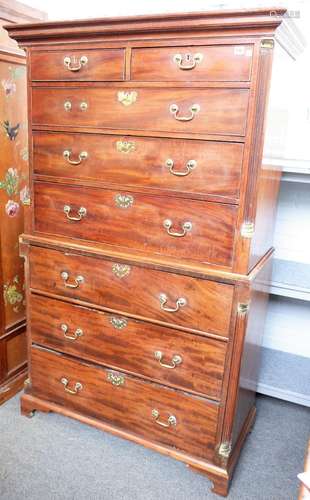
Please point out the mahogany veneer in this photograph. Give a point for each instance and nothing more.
(141, 162)
(222, 111)
(148, 250)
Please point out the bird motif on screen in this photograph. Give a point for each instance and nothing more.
(11, 131)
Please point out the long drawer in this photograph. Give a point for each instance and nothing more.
(191, 303)
(194, 167)
(198, 230)
(168, 356)
(192, 63)
(127, 402)
(78, 65)
(212, 110)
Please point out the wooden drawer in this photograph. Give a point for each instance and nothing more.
(192, 63)
(62, 65)
(142, 161)
(194, 363)
(138, 221)
(134, 290)
(130, 405)
(222, 111)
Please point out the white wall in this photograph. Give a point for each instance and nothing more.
(74, 9)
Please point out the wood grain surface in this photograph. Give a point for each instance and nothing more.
(140, 225)
(128, 405)
(124, 343)
(208, 307)
(141, 162)
(222, 111)
(219, 63)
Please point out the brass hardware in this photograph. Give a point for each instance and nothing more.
(81, 62)
(225, 449)
(81, 213)
(163, 299)
(67, 105)
(127, 98)
(116, 379)
(82, 156)
(118, 323)
(175, 361)
(170, 421)
(77, 281)
(125, 146)
(121, 270)
(190, 165)
(187, 226)
(124, 200)
(268, 43)
(190, 61)
(27, 382)
(247, 229)
(83, 106)
(78, 386)
(174, 110)
(78, 332)
(243, 309)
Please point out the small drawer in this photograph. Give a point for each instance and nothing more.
(191, 303)
(171, 357)
(214, 63)
(195, 230)
(160, 414)
(78, 65)
(186, 110)
(169, 165)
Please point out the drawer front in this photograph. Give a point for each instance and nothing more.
(78, 65)
(197, 167)
(193, 63)
(213, 111)
(127, 402)
(134, 290)
(168, 356)
(195, 230)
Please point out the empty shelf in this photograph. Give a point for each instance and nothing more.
(291, 279)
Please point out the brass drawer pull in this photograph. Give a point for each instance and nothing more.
(190, 61)
(81, 213)
(83, 106)
(78, 386)
(187, 226)
(163, 299)
(174, 110)
(170, 421)
(78, 280)
(78, 332)
(82, 156)
(175, 361)
(190, 165)
(81, 62)
(68, 105)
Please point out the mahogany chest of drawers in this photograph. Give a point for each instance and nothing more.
(149, 244)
